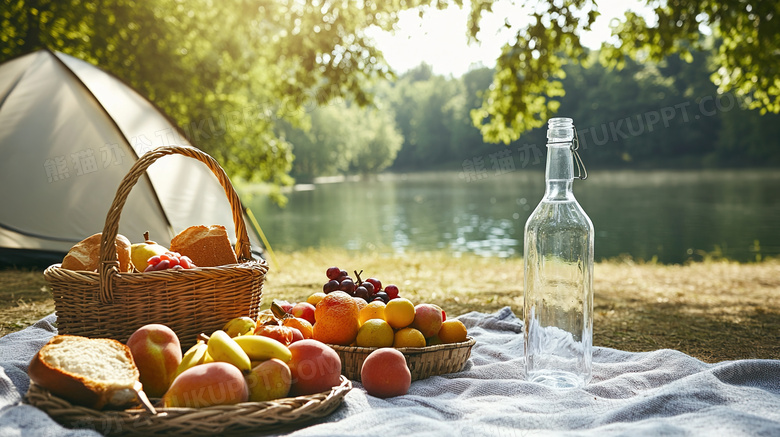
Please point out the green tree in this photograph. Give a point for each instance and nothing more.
(529, 72)
(344, 139)
(225, 71)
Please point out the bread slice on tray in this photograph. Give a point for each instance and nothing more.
(93, 372)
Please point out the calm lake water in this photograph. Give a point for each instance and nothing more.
(671, 215)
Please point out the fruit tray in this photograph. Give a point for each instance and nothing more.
(277, 415)
(111, 304)
(423, 362)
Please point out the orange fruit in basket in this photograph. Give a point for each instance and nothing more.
(336, 319)
(374, 310)
(452, 331)
(399, 312)
(408, 337)
(375, 333)
(302, 325)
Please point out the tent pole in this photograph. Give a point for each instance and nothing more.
(256, 225)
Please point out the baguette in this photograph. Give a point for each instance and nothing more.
(94, 372)
(206, 246)
(85, 255)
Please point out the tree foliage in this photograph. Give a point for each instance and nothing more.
(226, 71)
(242, 77)
(344, 139)
(529, 71)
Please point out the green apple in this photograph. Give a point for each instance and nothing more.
(141, 252)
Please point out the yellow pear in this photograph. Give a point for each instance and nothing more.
(141, 252)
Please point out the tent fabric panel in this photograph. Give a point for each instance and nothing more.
(64, 159)
(189, 192)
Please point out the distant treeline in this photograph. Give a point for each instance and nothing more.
(667, 115)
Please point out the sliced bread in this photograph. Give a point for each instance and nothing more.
(206, 246)
(93, 372)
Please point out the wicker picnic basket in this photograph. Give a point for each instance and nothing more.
(423, 362)
(111, 304)
(248, 417)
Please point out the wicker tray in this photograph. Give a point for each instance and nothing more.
(423, 362)
(254, 417)
(111, 304)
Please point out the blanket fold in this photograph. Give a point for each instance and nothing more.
(662, 392)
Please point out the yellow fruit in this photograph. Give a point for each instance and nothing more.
(239, 326)
(452, 331)
(315, 298)
(223, 348)
(194, 356)
(375, 333)
(260, 348)
(408, 337)
(399, 312)
(374, 310)
(141, 252)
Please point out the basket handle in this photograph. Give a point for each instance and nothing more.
(109, 264)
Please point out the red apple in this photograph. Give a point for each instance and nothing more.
(304, 310)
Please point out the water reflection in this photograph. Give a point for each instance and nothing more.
(671, 215)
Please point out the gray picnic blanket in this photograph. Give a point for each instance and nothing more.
(659, 393)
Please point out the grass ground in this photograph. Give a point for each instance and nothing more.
(715, 310)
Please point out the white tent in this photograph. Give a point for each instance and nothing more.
(69, 133)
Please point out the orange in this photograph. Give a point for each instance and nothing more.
(399, 312)
(408, 337)
(375, 333)
(303, 325)
(315, 298)
(452, 331)
(336, 318)
(374, 310)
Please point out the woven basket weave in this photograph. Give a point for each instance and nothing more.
(423, 362)
(111, 304)
(247, 417)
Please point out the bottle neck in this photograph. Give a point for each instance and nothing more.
(559, 173)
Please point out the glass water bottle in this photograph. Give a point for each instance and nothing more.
(558, 289)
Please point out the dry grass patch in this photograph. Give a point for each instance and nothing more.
(714, 311)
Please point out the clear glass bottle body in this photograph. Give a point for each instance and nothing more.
(558, 283)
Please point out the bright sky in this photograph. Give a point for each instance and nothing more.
(439, 39)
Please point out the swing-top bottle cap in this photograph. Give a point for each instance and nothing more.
(560, 129)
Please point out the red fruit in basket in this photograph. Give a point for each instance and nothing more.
(363, 293)
(330, 286)
(382, 296)
(315, 367)
(427, 319)
(304, 310)
(385, 374)
(207, 384)
(392, 291)
(376, 283)
(333, 273)
(283, 334)
(157, 353)
(168, 260)
(297, 335)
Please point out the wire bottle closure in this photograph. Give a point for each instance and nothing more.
(582, 172)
